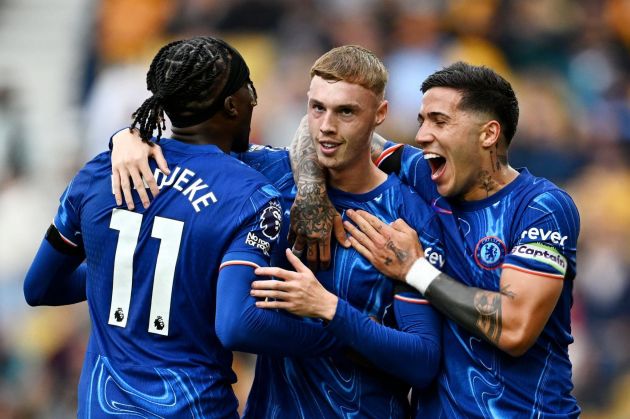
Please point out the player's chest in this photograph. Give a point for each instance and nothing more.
(477, 244)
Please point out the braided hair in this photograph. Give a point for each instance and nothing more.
(186, 78)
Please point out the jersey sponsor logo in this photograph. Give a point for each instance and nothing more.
(543, 254)
(258, 242)
(535, 233)
(490, 252)
(434, 256)
(271, 220)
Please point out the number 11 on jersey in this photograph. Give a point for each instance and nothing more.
(169, 232)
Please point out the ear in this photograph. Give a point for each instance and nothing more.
(381, 112)
(490, 133)
(229, 106)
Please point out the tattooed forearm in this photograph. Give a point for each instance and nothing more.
(312, 213)
(488, 306)
(478, 311)
(377, 147)
(304, 163)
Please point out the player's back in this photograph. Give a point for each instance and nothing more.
(151, 284)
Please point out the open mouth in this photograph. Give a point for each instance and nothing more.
(437, 164)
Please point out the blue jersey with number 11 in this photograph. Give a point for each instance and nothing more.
(151, 281)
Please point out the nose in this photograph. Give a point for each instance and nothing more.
(423, 136)
(328, 125)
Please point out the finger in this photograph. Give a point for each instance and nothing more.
(363, 251)
(324, 252)
(125, 185)
(156, 153)
(371, 226)
(339, 231)
(299, 245)
(295, 261)
(271, 304)
(357, 235)
(149, 179)
(272, 294)
(383, 228)
(275, 272)
(312, 255)
(138, 184)
(116, 187)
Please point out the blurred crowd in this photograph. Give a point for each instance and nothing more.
(568, 60)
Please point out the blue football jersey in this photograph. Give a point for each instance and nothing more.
(344, 385)
(530, 225)
(151, 280)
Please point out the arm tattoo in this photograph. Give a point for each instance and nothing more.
(476, 310)
(304, 163)
(377, 147)
(308, 215)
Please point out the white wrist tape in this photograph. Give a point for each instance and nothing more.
(421, 274)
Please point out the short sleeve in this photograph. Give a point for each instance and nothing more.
(258, 233)
(546, 237)
(68, 217)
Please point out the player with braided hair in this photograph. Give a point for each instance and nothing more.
(150, 277)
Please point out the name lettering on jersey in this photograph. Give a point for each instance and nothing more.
(540, 234)
(543, 254)
(186, 183)
(434, 257)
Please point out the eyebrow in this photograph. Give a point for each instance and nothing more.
(433, 115)
(352, 106)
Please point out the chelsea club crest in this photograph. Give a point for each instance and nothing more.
(490, 252)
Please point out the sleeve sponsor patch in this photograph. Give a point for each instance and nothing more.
(543, 254)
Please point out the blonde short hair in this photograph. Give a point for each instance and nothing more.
(352, 64)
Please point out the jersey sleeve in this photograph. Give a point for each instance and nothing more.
(260, 223)
(420, 217)
(68, 218)
(546, 237)
(411, 353)
(274, 163)
(242, 326)
(409, 164)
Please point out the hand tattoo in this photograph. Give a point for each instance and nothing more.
(401, 255)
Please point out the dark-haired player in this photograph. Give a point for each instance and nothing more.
(150, 277)
(511, 243)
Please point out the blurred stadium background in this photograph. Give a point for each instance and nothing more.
(72, 72)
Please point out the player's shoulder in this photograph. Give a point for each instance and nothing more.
(544, 195)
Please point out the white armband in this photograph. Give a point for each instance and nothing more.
(421, 274)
